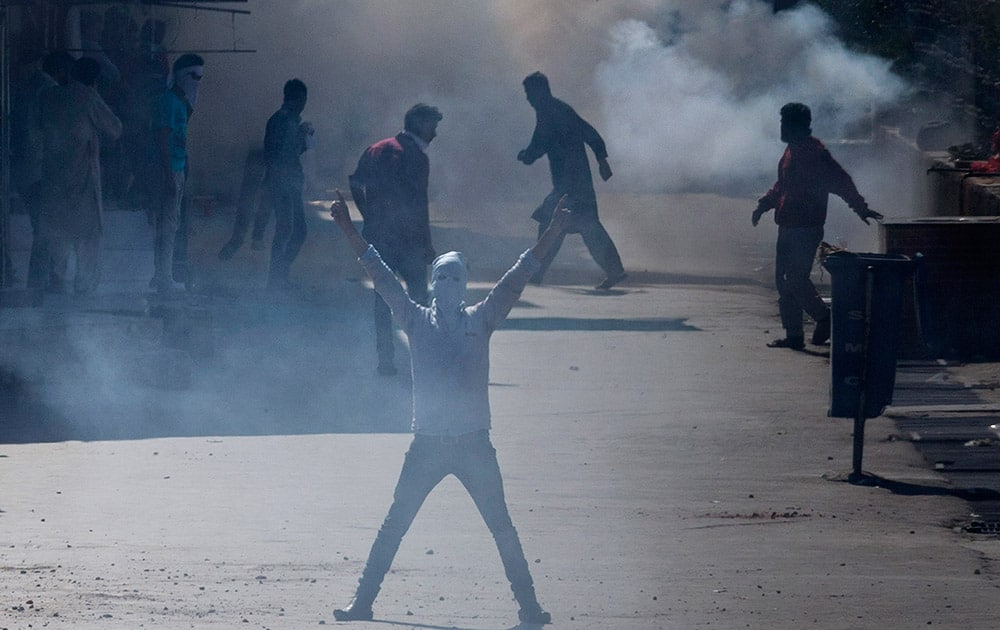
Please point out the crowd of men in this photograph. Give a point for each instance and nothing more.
(73, 118)
(108, 121)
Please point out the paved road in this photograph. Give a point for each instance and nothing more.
(664, 469)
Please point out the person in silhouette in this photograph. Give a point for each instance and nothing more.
(389, 187)
(75, 120)
(807, 174)
(563, 135)
(285, 139)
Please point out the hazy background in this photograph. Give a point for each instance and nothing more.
(685, 92)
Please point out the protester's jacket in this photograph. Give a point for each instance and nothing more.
(389, 187)
(562, 134)
(807, 174)
(284, 142)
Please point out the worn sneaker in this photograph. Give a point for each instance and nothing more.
(353, 612)
(795, 343)
(821, 334)
(611, 281)
(534, 615)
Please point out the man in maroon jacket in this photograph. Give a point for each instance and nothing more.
(390, 189)
(807, 174)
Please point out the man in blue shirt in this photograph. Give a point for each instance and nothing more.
(170, 121)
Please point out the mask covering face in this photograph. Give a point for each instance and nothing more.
(188, 80)
(449, 276)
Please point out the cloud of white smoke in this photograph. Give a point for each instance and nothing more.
(685, 92)
(691, 100)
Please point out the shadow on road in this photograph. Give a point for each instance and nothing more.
(905, 488)
(598, 324)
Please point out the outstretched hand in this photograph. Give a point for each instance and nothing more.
(342, 217)
(338, 210)
(868, 213)
(562, 215)
(604, 169)
(757, 214)
(553, 233)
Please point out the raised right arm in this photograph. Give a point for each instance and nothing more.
(386, 283)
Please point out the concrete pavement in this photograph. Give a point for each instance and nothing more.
(664, 470)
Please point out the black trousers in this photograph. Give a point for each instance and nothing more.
(795, 253)
(285, 197)
(585, 223)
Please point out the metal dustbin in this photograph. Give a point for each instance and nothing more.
(867, 296)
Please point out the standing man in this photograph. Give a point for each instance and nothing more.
(285, 139)
(807, 174)
(561, 134)
(170, 123)
(449, 349)
(74, 121)
(28, 150)
(390, 189)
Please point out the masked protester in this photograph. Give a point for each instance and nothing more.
(449, 350)
(170, 122)
(807, 174)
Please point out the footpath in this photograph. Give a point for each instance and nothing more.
(663, 467)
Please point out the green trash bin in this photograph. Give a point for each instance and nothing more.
(867, 293)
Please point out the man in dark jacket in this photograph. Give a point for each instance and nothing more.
(807, 174)
(285, 139)
(562, 134)
(389, 187)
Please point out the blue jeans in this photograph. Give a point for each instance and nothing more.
(795, 253)
(473, 460)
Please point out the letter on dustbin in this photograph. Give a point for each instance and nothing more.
(867, 291)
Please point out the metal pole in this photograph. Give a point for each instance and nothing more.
(857, 474)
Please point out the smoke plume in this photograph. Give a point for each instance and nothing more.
(685, 92)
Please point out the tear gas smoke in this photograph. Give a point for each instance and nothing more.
(691, 100)
(685, 92)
